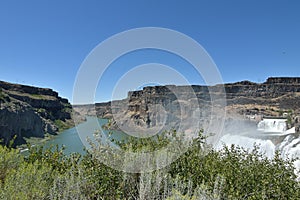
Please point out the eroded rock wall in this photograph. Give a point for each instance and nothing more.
(27, 111)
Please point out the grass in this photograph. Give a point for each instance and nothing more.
(63, 125)
(35, 141)
(33, 96)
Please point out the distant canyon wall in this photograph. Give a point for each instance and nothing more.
(153, 106)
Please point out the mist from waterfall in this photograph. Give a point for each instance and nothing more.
(244, 134)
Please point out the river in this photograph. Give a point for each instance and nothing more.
(75, 139)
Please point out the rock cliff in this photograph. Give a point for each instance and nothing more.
(27, 111)
(154, 106)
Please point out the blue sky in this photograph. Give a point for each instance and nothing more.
(43, 43)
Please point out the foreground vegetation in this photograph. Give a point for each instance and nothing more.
(200, 173)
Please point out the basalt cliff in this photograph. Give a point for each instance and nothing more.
(27, 111)
(154, 106)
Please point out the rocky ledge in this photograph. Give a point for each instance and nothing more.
(27, 111)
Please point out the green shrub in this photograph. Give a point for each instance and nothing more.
(28, 182)
(10, 159)
(200, 173)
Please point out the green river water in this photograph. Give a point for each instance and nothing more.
(75, 139)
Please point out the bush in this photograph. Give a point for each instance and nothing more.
(10, 159)
(27, 182)
(200, 173)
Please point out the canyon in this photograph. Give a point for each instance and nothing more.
(154, 106)
(27, 111)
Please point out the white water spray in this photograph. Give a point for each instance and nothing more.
(247, 137)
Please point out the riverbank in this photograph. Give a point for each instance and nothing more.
(74, 139)
(37, 141)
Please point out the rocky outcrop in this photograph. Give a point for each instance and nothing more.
(282, 93)
(270, 89)
(27, 111)
(153, 106)
(283, 80)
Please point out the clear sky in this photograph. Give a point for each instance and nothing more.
(43, 43)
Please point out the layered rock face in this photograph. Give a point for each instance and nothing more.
(154, 109)
(154, 106)
(269, 92)
(159, 108)
(27, 111)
